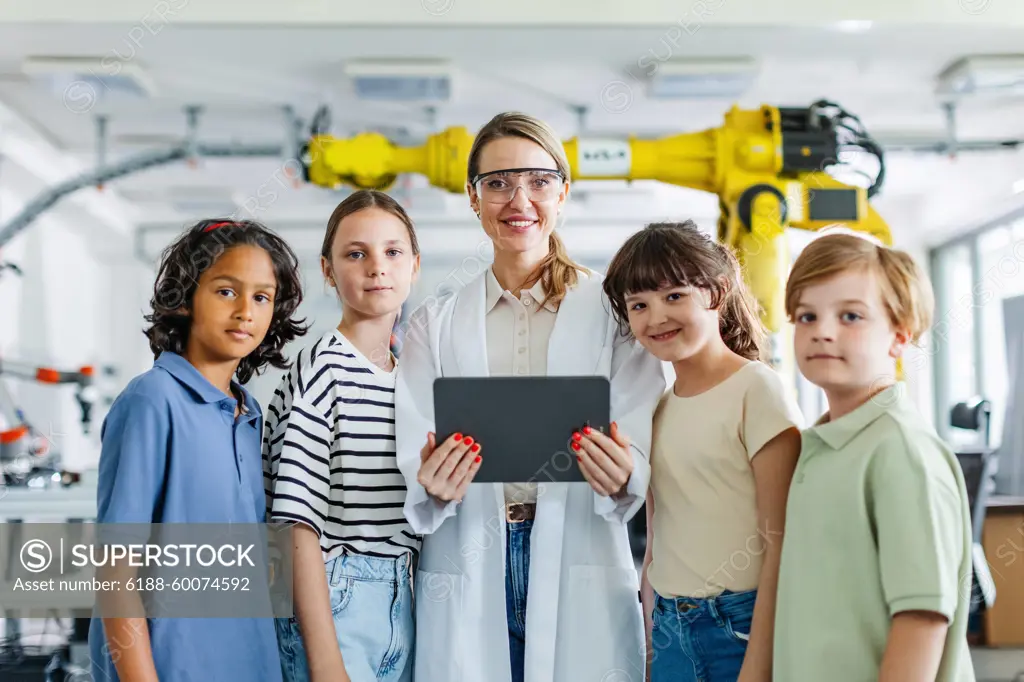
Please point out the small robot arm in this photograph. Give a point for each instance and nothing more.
(767, 166)
(83, 378)
(25, 452)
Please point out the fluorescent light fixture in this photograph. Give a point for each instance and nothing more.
(1018, 186)
(694, 79)
(401, 81)
(104, 76)
(999, 74)
(853, 25)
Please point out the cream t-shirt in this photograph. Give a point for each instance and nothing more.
(706, 537)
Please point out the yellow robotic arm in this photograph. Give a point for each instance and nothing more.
(766, 165)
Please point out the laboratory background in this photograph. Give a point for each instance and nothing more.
(765, 122)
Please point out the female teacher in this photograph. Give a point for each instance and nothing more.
(525, 582)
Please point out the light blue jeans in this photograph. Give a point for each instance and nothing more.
(371, 601)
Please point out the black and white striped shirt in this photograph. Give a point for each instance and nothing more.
(329, 452)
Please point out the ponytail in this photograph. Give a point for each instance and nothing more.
(741, 327)
(557, 272)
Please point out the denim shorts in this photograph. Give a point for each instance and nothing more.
(701, 640)
(371, 602)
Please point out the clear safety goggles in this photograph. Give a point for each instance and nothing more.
(499, 187)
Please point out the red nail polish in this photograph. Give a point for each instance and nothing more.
(469, 440)
(478, 458)
(579, 457)
(575, 446)
(458, 436)
(576, 436)
(587, 430)
(475, 448)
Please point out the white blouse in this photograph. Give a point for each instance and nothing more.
(518, 330)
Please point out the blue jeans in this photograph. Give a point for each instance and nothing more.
(371, 602)
(517, 576)
(700, 639)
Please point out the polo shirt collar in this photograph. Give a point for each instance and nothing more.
(836, 434)
(190, 377)
(495, 291)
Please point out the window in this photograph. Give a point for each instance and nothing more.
(1001, 263)
(972, 276)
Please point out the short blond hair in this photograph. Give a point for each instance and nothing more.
(906, 291)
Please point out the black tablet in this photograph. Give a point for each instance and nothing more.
(524, 424)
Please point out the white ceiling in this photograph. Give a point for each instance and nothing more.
(244, 76)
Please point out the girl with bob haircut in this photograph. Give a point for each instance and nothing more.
(726, 441)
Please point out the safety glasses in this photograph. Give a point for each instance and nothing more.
(499, 187)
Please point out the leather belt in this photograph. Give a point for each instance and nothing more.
(516, 512)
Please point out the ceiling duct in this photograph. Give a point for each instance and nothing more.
(401, 81)
(104, 77)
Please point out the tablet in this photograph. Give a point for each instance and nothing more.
(525, 424)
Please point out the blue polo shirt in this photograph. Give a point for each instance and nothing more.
(174, 452)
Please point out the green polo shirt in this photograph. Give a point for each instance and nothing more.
(877, 523)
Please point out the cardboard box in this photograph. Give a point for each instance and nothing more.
(1003, 540)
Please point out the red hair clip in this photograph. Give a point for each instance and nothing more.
(216, 225)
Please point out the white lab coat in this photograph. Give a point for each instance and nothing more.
(584, 619)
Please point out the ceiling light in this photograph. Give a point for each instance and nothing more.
(853, 25)
(401, 81)
(688, 79)
(1018, 186)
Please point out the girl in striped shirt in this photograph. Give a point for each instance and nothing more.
(330, 468)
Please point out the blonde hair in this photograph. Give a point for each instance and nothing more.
(906, 291)
(557, 272)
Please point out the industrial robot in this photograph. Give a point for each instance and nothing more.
(768, 166)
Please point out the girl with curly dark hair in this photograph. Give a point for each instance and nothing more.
(182, 442)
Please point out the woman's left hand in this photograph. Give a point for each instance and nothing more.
(606, 461)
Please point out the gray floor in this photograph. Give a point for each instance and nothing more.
(998, 665)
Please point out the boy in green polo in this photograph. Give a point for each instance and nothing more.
(876, 561)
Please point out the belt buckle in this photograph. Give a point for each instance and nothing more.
(515, 513)
(685, 606)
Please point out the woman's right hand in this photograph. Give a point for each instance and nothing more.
(446, 470)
